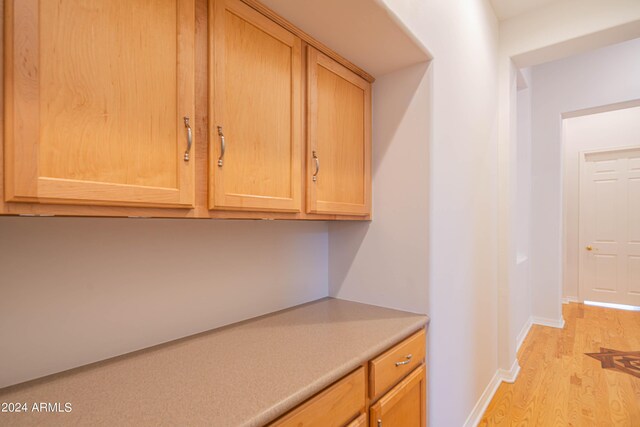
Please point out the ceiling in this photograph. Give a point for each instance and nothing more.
(506, 9)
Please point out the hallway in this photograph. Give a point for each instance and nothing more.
(559, 385)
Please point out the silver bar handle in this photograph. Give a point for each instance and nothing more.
(379, 422)
(405, 362)
(222, 145)
(315, 175)
(189, 138)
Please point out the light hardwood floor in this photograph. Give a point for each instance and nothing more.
(559, 385)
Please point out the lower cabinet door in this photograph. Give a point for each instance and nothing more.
(405, 405)
(361, 421)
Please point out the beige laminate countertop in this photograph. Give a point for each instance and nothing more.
(244, 374)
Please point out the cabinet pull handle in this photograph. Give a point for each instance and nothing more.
(405, 362)
(222, 145)
(379, 422)
(189, 138)
(315, 175)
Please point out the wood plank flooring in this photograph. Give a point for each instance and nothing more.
(559, 385)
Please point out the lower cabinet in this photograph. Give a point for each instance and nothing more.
(405, 405)
(392, 391)
(334, 407)
(361, 421)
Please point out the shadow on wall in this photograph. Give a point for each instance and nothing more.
(350, 236)
(384, 262)
(391, 106)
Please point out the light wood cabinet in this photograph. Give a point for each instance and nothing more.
(255, 97)
(395, 384)
(339, 138)
(179, 109)
(361, 421)
(405, 405)
(395, 363)
(97, 95)
(333, 407)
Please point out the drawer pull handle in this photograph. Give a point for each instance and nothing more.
(222, 145)
(189, 138)
(379, 422)
(405, 362)
(315, 175)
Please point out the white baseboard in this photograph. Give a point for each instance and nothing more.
(501, 375)
(524, 332)
(543, 321)
(567, 300)
(510, 375)
(481, 406)
(506, 375)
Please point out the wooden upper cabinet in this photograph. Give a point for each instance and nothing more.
(96, 95)
(339, 138)
(100, 104)
(255, 98)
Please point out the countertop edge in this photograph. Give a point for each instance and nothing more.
(321, 383)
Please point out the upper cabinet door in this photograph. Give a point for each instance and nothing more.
(255, 97)
(339, 138)
(96, 96)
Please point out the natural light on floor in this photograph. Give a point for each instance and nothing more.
(611, 305)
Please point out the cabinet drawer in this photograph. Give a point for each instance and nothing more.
(394, 364)
(405, 405)
(335, 406)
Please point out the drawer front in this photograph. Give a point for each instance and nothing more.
(394, 364)
(335, 406)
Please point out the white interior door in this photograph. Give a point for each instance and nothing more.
(610, 227)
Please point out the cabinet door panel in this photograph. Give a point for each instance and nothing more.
(339, 145)
(257, 107)
(96, 95)
(404, 405)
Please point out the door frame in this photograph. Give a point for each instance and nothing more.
(582, 170)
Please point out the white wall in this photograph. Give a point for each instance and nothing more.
(612, 129)
(521, 292)
(78, 290)
(604, 76)
(434, 198)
